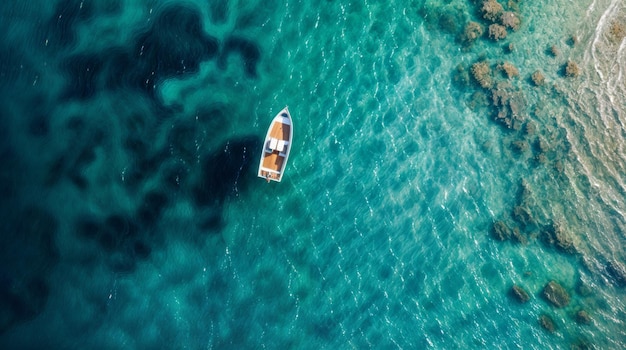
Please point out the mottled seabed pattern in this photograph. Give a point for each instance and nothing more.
(457, 178)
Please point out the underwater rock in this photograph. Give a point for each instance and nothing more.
(541, 159)
(518, 236)
(491, 10)
(477, 100)
(500, 231)
(519, 293)
(564, 241)
(538, 78)
(509, 104)
(555, 236)
(444, 17)
(554, 51)
(530, 128)
(472, 32)
(524, 194)
(460, 76)
(571, 69)
(510, 20)
(482, 73)
(449, 20)
(556, 294)
(582, 317)
(559, 167)
(497, 32)
(547, 323)
(522, 215)
(509, 69)
(509, 48)
(520, 146)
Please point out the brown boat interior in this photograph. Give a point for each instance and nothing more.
(275, 151)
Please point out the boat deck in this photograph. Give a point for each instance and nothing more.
(273, 160)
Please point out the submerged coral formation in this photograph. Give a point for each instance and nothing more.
(520, 293)
(554, 51)
(556, 294)
(492, 10)
(555, 236)
(473, 31)
(571, 69)
(547, 323)
(482, 73)
(500, 231)
(510, 20)
(509, 104)
(497, 32)
(582, 317)
(509, 69)
(538, 78)
(510, 48)
(520, 146)
(461, 76)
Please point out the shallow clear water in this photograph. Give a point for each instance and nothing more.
(133, 217)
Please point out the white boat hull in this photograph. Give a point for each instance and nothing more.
(276, 147)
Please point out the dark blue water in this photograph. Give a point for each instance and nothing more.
(433, 174)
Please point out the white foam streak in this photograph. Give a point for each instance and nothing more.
(598, 110)
(607, 59)
(608, 68)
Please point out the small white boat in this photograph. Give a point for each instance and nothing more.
(276, 147)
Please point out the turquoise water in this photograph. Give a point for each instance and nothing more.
(133, 218)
